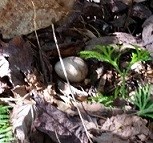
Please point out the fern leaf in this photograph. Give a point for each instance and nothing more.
(92, 54)
(142, 100)
(5, 127)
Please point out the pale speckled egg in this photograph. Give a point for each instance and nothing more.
(76, 69)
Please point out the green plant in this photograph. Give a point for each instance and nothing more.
(99, 98)
(142, 99)
(5, 127)
(109, 54)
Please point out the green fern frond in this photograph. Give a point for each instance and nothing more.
(142, 100)
(107, 50)
(91, 54)
(111, 54)
(104, 53)
(5, 127)
(140, 55)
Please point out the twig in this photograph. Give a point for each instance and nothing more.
(40, 49)
(65, 74)
(57, 137)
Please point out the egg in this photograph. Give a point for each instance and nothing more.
(75, 67)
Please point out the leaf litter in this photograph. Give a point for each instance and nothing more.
(42, 111)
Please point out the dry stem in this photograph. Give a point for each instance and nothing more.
(65, 74)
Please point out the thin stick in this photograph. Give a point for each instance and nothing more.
(40, 49)
(57, 137)
(65, 74)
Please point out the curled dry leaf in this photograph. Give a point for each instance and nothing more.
(17, 16)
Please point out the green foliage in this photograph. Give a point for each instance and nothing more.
(112, 55)
(103, 53)
(5, 127)
(105, 100)
(143, 101)
(139, 55)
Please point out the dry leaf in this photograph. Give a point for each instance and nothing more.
(4, 74)
(38, 137)
(20, 55)
(19, 91)
(57, 124)
(127, 126)
(17, 16)
(147, 35)
(67, 49)
(20, 58)
(67, 90)
(4, 67)
(116, 38)
(109, 138)
(22, 118)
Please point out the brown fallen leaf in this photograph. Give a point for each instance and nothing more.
(109, 138)
(116, 38)
(20, 55)
(20, 58)
(147, 36)
(57, 124)
(17, 16)
(127, 127)
(22, 118)
(67, 91)
(4, 75)
(38, 137)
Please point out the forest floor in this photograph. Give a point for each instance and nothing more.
(113, 103)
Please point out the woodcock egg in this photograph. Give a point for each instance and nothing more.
(75, 67)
